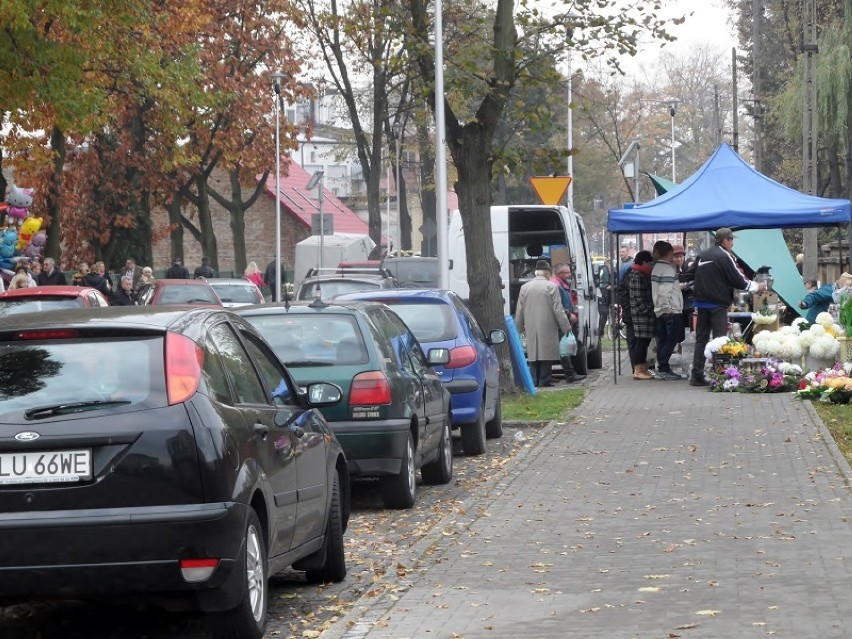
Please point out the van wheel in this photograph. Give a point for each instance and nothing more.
(494, 428)
(400, 491)
(334, 566)
(595, 358)
(248, 619)
(473, 435)
(579, 360)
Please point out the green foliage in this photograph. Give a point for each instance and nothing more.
(846, 314)
(838, 420)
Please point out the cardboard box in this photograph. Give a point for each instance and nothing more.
(759, 301)
(560, 256)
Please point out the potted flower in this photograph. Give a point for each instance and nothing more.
(830, 384)
(770, 376)
(725, 351)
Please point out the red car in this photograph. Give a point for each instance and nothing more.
(165, 291)
(46, 298)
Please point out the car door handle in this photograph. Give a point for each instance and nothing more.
(261, 429)
(297, 430)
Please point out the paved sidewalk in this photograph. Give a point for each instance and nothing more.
(656, 510)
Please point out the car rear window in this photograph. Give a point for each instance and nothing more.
(187, 294)
(13, 306)
(429, 322)
(237, 293)
(313, 339)
(333, 288)
(44, 373)
(414, 272)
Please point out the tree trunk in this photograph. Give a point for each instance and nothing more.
(209, 247)
(238, 223)
(53, 203)
(176, 235)
(428, 203)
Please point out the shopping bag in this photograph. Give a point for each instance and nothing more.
(568, 345)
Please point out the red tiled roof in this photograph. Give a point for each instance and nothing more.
(301, 203)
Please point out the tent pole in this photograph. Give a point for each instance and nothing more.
(613, 314)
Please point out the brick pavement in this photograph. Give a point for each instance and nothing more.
(655, 510)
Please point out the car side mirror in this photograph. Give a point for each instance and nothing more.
(323, 394)
(496, 336)
(438, 356)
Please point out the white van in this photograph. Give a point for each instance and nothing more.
(523, 234)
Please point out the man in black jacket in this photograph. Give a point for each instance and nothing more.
(177, 271)
(205, 270)
(716, 276)
(50, 275)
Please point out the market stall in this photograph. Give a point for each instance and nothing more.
(726, 191)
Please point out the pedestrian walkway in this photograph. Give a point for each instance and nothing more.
(656, 510)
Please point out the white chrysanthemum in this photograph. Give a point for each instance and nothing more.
(825, 347)
(838, 330)
(825, 319)
(798, 322)
(772, 346)
(789, 330)
(795, 348)
(761, 338)
(811, 376)
(789, 369)
(817, 329)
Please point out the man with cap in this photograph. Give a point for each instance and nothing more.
(540, 315)
(177, 271)
(716, 276)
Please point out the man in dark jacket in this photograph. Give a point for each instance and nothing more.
(124, 296)
(50, 275)
(715, 277)
(205, 270)
(269, 279)
(177, 271)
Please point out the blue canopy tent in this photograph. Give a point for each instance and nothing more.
(726, 191)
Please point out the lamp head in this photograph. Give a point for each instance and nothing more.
(276, 76)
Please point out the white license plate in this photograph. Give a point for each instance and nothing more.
(45, 467)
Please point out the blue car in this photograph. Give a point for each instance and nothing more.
(439, 319)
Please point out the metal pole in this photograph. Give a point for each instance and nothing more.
(440, 153)
(398, 199)
(320, 186)
(674, 163)
(276, 77)
(387, 204)
(570, 133)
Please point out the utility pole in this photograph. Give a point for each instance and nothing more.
(757, 28)
(810, 130)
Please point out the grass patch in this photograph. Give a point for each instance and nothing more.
(838, 419)
(544, 406)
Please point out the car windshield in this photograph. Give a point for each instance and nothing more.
(187, 294)
(237, 293)
(333, 288)
(15, 305)
(428, 322)
(414, 272)
(313, 339)
(45, 376)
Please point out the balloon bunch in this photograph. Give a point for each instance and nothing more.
(22, 237)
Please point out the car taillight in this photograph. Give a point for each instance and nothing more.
(183, 367)
(461, 357)
(369, 389)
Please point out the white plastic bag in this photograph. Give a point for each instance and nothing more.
(568, 345)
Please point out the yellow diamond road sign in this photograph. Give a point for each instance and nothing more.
(550, 189)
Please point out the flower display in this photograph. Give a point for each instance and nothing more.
(801, 338)
(772, 376)
(830, 384)
(726, 346)
(761, 318)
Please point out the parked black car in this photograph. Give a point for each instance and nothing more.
(163, 453)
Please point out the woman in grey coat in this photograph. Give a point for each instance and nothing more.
(539, 314)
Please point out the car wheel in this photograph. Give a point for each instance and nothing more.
(334, 568)
(400, 491)
(595, 357)
(473, 435)
(248, 619)
(494, 427)
(440, 471)
(581, 366)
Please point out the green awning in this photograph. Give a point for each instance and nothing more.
(661, 184)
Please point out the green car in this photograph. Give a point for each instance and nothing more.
(395, 413)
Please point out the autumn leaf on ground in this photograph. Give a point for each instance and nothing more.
(708, 613)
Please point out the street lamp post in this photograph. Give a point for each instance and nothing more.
(672, 104)
(571, 16)
(276, 86)
(316, 182)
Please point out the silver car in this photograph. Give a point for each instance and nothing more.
(236, 291)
